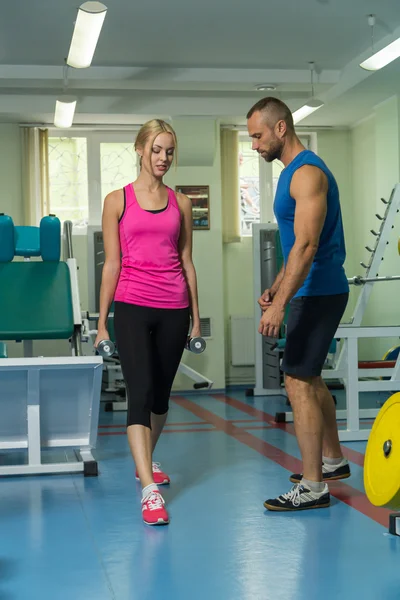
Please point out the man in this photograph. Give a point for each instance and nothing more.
(314, 282)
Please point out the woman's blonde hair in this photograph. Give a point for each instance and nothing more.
(150, 130)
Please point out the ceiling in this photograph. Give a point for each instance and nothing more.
(181, 58)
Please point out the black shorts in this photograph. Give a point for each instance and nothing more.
(311, 327)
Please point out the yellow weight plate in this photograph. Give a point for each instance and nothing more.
(382, 457)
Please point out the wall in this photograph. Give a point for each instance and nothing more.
(238, 299)
(334, 147)
(10, 172)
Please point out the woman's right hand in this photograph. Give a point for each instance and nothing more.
(102, 334)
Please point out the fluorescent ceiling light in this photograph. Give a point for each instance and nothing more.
(87, 30)
(311, 106)
(383, 57)
(64, 114)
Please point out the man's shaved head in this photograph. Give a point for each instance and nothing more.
(273, 111)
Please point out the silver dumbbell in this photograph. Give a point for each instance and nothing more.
(106, 348)
(196, 345)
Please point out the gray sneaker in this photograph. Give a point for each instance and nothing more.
(300, 497)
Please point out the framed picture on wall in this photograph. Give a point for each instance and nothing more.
(200, 197)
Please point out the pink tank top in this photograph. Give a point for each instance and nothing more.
(151, 273)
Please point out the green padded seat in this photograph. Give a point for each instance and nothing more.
(35, 301)
(3, 350)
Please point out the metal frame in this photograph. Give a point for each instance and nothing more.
(32, 370)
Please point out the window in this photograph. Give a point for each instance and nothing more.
(249, 187)
(83, 169)
(68, 179)
(118, 166)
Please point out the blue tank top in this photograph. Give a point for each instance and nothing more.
(327, 275)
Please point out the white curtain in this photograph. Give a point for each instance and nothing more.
(35, 174)
(230, 185)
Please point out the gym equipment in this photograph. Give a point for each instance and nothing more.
(44, 241)
(382, 461)
(267, 260)
(357, 280)
(105, 348)
(347, 366)
(53, 402)
(197, 345)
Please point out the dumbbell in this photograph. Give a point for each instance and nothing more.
(197, 345)
(105, 348)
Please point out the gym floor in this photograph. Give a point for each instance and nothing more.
(71, 538)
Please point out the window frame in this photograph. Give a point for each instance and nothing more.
(94, 139)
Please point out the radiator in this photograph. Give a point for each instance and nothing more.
(242, 341)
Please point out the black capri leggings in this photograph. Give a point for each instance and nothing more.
(150, 344)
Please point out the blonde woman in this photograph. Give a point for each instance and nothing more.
(154, 289)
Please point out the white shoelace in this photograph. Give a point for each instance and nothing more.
(156, 467)
(294, 495)
(154, 501)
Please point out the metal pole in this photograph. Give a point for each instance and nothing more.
(76, 341)
(68, 239)
(361, 280)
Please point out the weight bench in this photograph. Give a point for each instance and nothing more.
(45, 402)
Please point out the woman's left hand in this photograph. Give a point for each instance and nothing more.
(196, 331)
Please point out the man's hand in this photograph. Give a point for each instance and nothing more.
(265, 300)
(271, 321)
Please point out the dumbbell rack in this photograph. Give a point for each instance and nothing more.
(346, 367)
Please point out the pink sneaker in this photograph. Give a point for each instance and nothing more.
(160, 478)
(153, 510)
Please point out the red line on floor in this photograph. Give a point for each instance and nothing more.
(339, 490)
(196, 430)
(265, 426)
(243, 420)
(352, 455)
(166, 425)
(119, 426)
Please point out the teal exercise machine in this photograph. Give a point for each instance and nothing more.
(49, 405)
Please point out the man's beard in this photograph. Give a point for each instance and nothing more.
(274, 152)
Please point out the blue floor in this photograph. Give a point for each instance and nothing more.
(71, 538)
